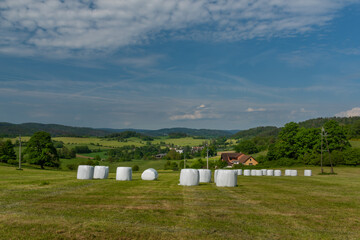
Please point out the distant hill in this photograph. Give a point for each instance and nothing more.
(258, 131)
(319, 122)
(28, 129)
(188, 131)
(167, 131)
(311, 123)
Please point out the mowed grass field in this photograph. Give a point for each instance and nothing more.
(46, 204)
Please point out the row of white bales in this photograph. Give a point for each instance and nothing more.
(188, 177)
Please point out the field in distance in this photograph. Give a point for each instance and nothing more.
(47, 204)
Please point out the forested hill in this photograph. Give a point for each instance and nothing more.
(311, 123)
(258, 131)
(28, 129)
(187, 131)
(319, 122)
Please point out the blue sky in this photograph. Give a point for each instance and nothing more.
(198, 64)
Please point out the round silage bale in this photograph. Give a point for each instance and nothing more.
(264, 172)
(293, 173)
(123, 173)
(259, 173)
(277, 173)
(189, 177)
(226, 178)
(215, 175)
(287, 172)
(307, 173)
(101, 172)
(85, 172)
(239, 172)
(204, 175)
(247, 172)
(270, 172)
(253, 172)
(149, 174)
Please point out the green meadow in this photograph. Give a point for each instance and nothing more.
(50, 204)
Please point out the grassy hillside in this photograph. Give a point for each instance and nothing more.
(44, 204)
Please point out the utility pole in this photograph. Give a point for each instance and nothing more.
(184, 158)
(324, 134)
(207, 156)
(19, 152)
(327, 145)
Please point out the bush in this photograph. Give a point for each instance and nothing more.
(82, 149)
(89, 162)
(169, 165)
(198, 163)
(72, 166)
(13, 162)
(135, 168)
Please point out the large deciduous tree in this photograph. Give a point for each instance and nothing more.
(41, 150)
(336, 136)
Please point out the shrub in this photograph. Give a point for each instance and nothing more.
(135, 168)
(198, 163)
(13, 162)
(72, 166)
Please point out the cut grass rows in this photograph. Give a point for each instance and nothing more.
(318, 207)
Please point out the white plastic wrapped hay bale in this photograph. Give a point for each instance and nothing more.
(247, 172)
(123, 173)
(259, 173)
(215, 175)
(264, 172)
(287, 172)
(85, 172)
(189, 177)
(270, 172)
(253, 172)
(277, 173)
(101, 172)
(293, 173)
(239, 172)
(149, 174)
(307, 173)
(226, 178)
(204, 175)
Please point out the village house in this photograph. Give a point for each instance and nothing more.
(238, 158)
(196, 149)
(160, 155)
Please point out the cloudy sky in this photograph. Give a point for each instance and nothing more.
(150, 64)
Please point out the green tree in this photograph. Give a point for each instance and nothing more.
(212, 151)
(287, 139)
(173, 155)
(352, 156)
(307, 141)
(285, 146)
(247, 147)
(7, 151)
(41, 151)
(336, 136)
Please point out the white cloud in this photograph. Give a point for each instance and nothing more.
(255, 109)
(104, 25)
(196, 115)
(355, 112)
(200, 112)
